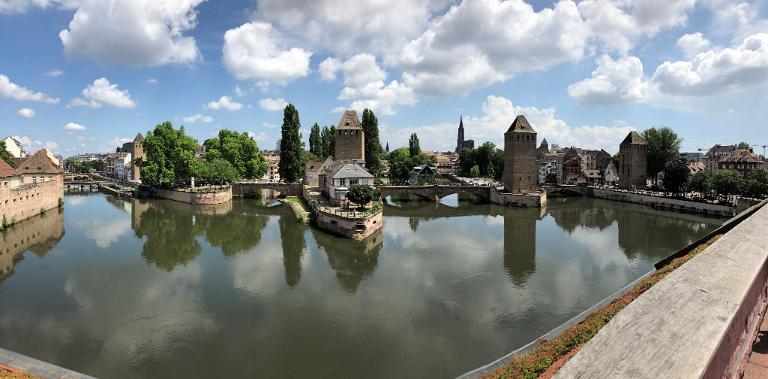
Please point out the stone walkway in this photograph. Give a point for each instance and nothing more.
(757, 365)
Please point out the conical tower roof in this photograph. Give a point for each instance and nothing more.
(634, 138)
(520, 125)
(349, 121)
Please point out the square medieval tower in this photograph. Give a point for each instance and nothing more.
(350, 138)
(633, 163)
(520, 171)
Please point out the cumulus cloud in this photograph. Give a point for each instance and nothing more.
(21, 6)
(347, 27)
(224, 102)
(26, 112)
(613, 81)
(134, 33)
(74, 127)
(256, 50)
(730, 69)
(497, 114)
(10, 90)
(454, 56)
(366, 87)
(273, 104)
(32, 145)
(101, 92)
(618, 24)
(328, 68)
(692, 44)
(197, 118)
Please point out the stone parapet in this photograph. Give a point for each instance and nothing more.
(211, 197)
(663, 202)
(28, 200)
(351, 224)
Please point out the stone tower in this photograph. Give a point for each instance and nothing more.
(633, 164)
(350, 138)
(520, 171)
(460, 137)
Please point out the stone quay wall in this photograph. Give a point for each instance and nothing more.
(536, 200)
(355, 225)
(27, 200)
(663, 202)
(196, 198)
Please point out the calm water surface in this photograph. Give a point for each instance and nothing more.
(124, 289)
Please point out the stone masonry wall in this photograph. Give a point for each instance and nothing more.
(22, 203)
(197, 198)
(633, 165)
(520, 171)
(350, 144)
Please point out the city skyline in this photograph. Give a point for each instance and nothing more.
(584, 74)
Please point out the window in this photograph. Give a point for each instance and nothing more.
(352, 182)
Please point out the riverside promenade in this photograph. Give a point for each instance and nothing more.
(699, 321)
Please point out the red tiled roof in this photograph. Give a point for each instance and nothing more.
(38, 163)
(741, 156)
(6, 170)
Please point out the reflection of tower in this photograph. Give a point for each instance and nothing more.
(292, 237)
(520, 243)
(352, 260)
(38, 234)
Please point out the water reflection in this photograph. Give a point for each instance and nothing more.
(294, 244)
(38, 234)
(352, 260)
(520, 244)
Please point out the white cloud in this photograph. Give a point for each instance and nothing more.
(152, 81)
(134, 33)
(268, 125)
(54, 73)
(348, 27)
(328, 68)
(257, 51)
(224, 102)
(10, 90)
(618, 24)
(239, 92)
(730, 69)
(197, 118)
(31, 145)
(455, 56)
(613, 81)
(74, 127)
(365, 85)
(101, 92)
(692, 44)
(273, 104)
(497, 114)
(26, 112)
(258, 137)
(21, 6)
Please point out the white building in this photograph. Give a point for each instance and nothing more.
(342, 177)
(14, 147)
(123, 167)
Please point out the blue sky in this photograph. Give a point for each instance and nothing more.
(86, 75)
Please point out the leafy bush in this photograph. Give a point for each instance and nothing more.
(362, 194)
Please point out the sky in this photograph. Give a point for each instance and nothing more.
(87, 75)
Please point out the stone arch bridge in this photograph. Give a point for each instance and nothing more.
(436, 192)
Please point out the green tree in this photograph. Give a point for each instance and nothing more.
(361, 194)
(170, 156)
(240, 150)
(663, 146)
(743, 145)
(373, 151)
(757, 184)
(400, 164)
(727, 182)
(4, 153)
(413, 145)
(676, 174)
(291, 166)
(218, 171)
(703, 182)
(474, 171)
(315, 142)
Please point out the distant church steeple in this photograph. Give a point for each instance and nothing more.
(461, 143)
(387, 148)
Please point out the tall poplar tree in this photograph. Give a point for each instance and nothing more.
(314, 140)
(373, 150)
(413, 145)
(291, 164)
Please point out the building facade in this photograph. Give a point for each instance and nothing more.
(350, 138)
(343, 176)
(520, 171)
(741, 160)
(14, 147)
(461, 143)
(36, 184)
(712, 158)
(633, 164)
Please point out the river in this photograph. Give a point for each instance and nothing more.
(153, 288)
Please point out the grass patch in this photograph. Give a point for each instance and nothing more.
(299, 201)
(550, 355)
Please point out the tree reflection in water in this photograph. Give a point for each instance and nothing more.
(352, 260)
(294, 244)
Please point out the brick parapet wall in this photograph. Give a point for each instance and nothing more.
(27, 201)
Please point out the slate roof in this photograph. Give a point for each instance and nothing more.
(349, 121)
(634, 138)
(520, 125)
(38, 163)
(6, 170)
(350, 170)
